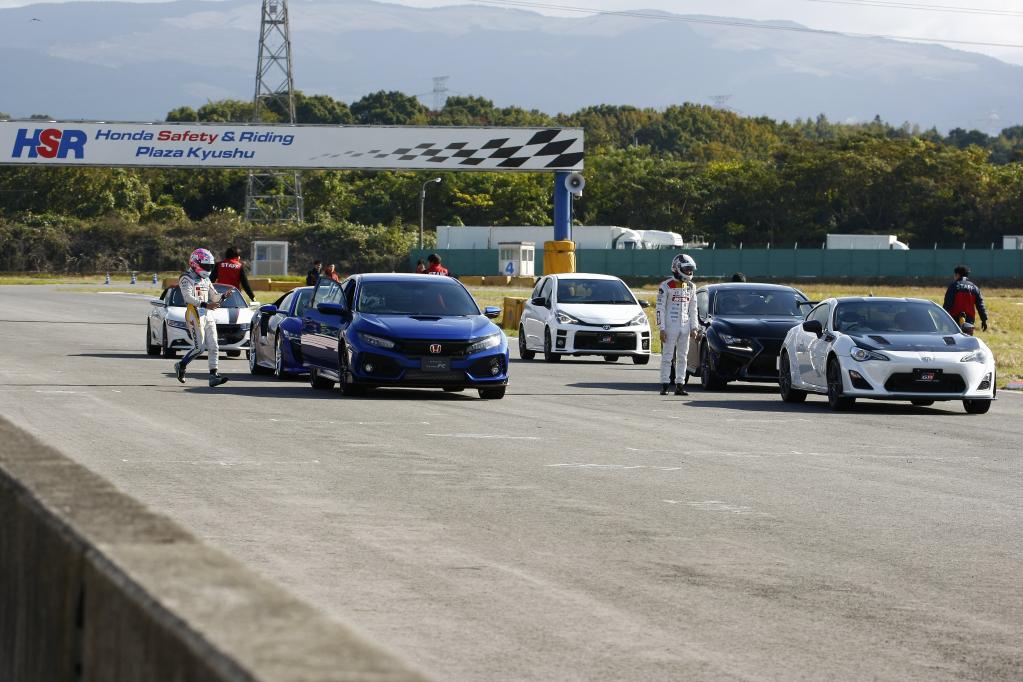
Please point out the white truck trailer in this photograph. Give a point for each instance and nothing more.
(866, 242)
(584, 236)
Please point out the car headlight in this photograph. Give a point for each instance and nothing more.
(640, 319)
(730, 340)
(862, 355)
(565, 318)
(377, 341)
(486, 343)
(176, 324)
(976, 356)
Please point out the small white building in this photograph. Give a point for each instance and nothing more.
(517, 259)
(1012, 241)
(269, 258)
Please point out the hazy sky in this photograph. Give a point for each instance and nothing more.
(910, 18)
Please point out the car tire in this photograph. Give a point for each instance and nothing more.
(165, 348)
(233, 353)
(348, 388)
(788, 394)
(977, 406)
(151, 348)
(922, 403)
(254, 366)
(548, 350)
(278, 357)
(837, 401)
(495, 393)
(710, 380)
(524, 352)
(641, 359)
(318, 382)
(611, 358)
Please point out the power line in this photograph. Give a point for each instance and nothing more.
(953, 9)
(738, 24)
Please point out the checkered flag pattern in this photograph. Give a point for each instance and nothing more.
(552, 149)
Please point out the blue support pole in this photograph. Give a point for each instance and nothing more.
(562, 207)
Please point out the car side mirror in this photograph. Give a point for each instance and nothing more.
(540, 301)
(157, 303)
(644, 304)
(268, 309)
(331, 309)
(492, 312)
(814, 327)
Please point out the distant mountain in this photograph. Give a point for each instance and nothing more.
(133, 61)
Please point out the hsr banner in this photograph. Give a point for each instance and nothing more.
(234, 145)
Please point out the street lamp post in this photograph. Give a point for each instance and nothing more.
(422, 204)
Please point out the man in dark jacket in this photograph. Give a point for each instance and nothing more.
(963, 298)
(313, 275)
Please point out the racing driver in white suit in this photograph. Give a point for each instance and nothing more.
(676, 318)
(200, 298)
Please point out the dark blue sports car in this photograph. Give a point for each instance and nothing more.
(422, 331)
(274, 340)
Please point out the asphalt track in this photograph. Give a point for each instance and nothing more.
(583, 528)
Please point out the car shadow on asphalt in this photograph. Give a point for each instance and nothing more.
(267, 387)
(117, 356)
(813, 407)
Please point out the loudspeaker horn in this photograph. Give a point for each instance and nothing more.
(574, 183)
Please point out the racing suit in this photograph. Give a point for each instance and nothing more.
(197, 292)
(963, 297)
(676, 317)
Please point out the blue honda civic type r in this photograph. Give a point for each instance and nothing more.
(423, 331)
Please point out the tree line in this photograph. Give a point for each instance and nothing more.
(704, 172)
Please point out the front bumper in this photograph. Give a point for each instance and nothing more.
(228, 339)
(577, 339)
(757, 361)
(907, 376)
(380, 367)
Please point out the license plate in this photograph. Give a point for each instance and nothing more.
(928, 376)
(436, 364)
(607, 338)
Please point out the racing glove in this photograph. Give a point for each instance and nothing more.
(983, 325)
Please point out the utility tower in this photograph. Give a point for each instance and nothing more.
(273, 196)
(440, 92)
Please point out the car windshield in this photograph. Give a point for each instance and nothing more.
(594, 291)
(893, 317)
(758, 303)
(428, 296)
(234, 300)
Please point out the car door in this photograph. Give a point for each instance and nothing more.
(818, 348)
(531, 322)
(265, 327)
(316, 325)
(800, 350)
(703, 313)
(157, 316)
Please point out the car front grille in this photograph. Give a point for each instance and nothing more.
(230, 333)
(418, 376)
(906, 382)
(448, 348)
(592, 341)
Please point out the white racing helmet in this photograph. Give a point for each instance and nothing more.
(683, 267)
(201, 262)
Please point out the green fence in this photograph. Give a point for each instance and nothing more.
(763, 263)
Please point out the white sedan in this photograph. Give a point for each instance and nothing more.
(166, 332)
(886, 349)
(582, 314)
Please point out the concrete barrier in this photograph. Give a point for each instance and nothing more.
(512, 312)
(496, 280)
(94, 587)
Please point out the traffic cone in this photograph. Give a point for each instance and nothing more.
(134, 280)
(107, 282)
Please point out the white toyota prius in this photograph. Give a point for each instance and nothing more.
(885, 349)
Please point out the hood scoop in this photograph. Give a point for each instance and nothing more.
(880, 339)
(950, 341)
(425, 318)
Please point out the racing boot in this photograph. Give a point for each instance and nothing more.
(179, 371)
(216, 379)
(664, 389)
(680, 391)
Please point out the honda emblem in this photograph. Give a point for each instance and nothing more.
(607, 327)
(435, 348)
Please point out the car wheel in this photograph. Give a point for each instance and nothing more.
(168, 352)
(548, 353)
(233, 353)
(709, 377)
(524, 352)
(318, 382)
(254, 366)
(836, 400)
(347, 386)
(977, 406)
(493, 393)
(788, 394)
(611, 358)
(151, 348)
(641, 359)
(278, 356)
(922, 403)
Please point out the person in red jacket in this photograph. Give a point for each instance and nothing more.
(231, 271)
(434, 267)
(963, 299)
